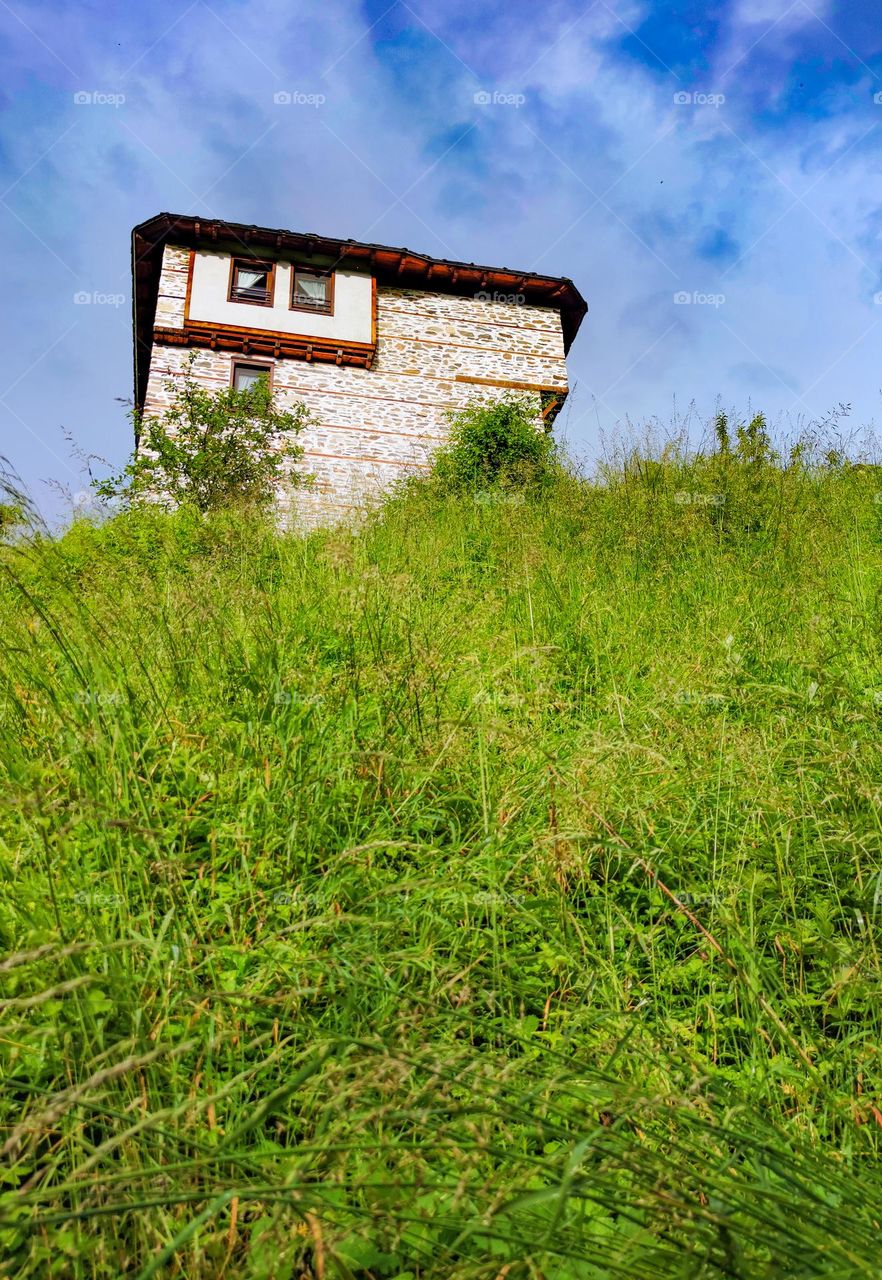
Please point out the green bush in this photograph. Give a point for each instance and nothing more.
(211, 450)
(502, 444)
(11, 517)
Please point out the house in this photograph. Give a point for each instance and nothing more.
(379, 343)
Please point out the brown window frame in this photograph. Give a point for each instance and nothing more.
(250, 264)
(303, 269)
(247, 363)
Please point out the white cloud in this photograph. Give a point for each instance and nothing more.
(780, 12)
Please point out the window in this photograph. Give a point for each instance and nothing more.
(245, 376)
(252, 282)
(312, 291)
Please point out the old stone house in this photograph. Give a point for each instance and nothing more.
(379, 343)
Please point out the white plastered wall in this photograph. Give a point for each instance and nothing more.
(350, 322)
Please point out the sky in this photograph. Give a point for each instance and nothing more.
(707, 172)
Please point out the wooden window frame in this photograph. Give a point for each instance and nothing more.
(305, 269)
(250, 264)
(249, 363)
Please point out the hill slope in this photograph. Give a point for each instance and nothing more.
(492, 892)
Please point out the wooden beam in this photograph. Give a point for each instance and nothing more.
(512, 386)
(260, 342)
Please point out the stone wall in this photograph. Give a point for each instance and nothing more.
(376, 425)
(172, 287)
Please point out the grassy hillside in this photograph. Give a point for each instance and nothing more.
(494, 892)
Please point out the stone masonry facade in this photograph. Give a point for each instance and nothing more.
(435, 353)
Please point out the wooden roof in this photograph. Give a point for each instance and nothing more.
(403, 267)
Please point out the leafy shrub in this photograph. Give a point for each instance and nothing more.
(747, 474)
(498, 444)
(212, 450)
(11, 515)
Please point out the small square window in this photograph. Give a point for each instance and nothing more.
(312, 291)
(246, 376)
(251, 282)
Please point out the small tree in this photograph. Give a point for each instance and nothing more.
(498, 444)
(211, 449)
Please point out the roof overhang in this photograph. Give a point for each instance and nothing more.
(402, 267)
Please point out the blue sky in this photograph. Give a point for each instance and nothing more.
(725, 152)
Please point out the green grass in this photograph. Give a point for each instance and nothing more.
(492, 892)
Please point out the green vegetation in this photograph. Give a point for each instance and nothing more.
(211, 450)
(493, 891)
(11, 515)
(499, 445)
